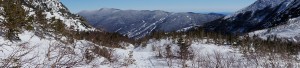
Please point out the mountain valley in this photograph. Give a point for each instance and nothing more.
(45, 34)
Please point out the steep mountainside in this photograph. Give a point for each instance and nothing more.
(39, 33)
(39, 16)
(289, 31)
(136, 24)
(53, 8)
(260, 15)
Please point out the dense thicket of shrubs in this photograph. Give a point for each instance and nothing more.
(270, 44)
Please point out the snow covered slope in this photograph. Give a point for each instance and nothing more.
(285, 19)
(54, 8)
(34, 51)
(258, 5)
(290, 31)
(154, 55)
(36, 46)
(260, 15)
(136, 24)
(51, 9)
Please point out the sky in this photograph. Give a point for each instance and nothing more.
(166, 5)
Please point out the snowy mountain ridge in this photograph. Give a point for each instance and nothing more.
(54, 5)
(258, 5)
(289, 30)
(139, 23)
(263, 18)
(54, 8)
(262, 14)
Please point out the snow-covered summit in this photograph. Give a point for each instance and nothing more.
(53, 5)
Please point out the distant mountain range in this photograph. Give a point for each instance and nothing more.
(139, 23)
(263, 18)
(224, 13)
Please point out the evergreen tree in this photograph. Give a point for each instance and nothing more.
(58, 26)
(168, 52)
(41, 20)
(184, 49)
(15, 19)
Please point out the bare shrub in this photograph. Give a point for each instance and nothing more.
(104, 52)
(169, 55)
(89, 56)
(15, 60)
(62, 55)
(129, 60)
(158, 51)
